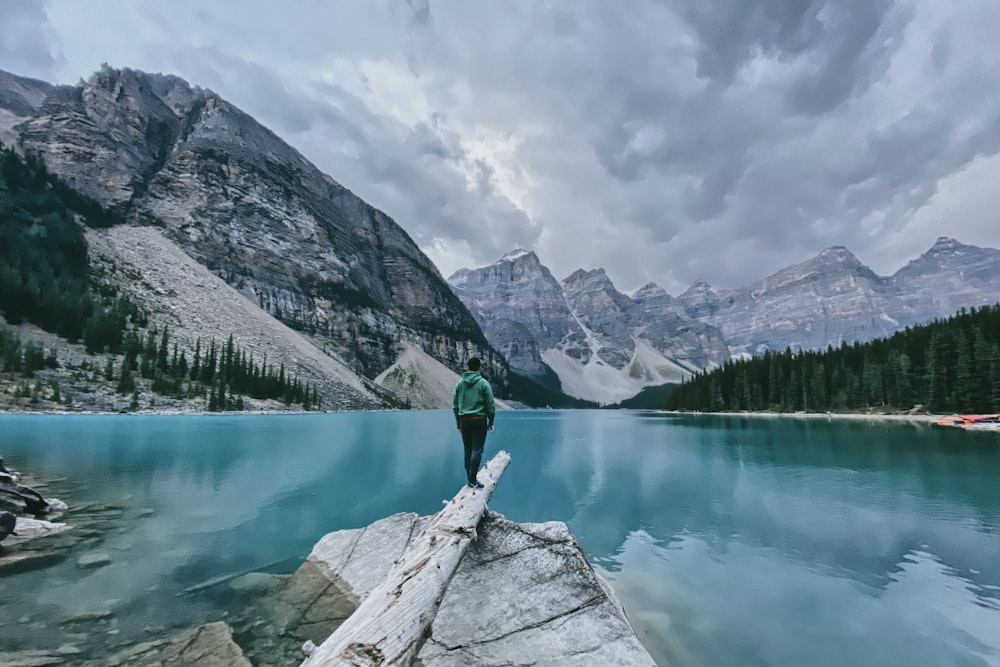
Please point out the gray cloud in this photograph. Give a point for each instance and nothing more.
(661, 140)
(26, 41)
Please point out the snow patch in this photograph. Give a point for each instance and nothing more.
(515, 254)
(422, 380)
(604, 384)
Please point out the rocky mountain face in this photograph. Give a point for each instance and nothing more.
(603, 345)
(834, 298)
(522, 310)
(297, 244)
(949, 276)
(825, 300)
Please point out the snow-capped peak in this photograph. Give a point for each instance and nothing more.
(515, 254)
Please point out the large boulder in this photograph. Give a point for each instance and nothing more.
(523, 594)
(19, 499)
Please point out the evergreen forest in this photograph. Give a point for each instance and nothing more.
(46, 279)
(947, 366)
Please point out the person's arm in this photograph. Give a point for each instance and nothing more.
(491, 406)
(454, 406)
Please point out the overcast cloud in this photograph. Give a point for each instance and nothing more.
(663, 140)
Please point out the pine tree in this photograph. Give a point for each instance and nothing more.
(936, 378)
(196, 364)
(994, 364)
(981, 389)
(126, 383)
(962, 392)
(817, 383)
(162, 351)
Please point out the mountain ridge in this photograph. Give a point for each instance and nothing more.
(828, 299)
(159, 152)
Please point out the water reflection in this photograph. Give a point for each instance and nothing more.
(767, 540)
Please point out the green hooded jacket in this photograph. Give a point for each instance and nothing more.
(473, 396)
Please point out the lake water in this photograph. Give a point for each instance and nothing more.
(730, 541)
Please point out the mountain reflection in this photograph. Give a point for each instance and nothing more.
(684, 514)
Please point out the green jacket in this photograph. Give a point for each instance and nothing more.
(473, 396)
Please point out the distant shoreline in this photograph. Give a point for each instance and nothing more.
(171, 413)
(858, 416)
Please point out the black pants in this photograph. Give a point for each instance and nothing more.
(474, 439)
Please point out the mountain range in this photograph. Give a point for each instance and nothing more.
(223, 228)
(605, 346)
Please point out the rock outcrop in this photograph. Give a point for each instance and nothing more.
(20, 509)
(19, 499)
(523, 594)
(210, 645)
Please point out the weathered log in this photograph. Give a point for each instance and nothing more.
(390, 625)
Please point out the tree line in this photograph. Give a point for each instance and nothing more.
(46, 278)
(949, 365)
(222, 374)
(44, 266)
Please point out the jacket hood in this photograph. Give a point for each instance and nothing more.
(471, 377)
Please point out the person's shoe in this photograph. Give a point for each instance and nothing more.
(470, 485)
(477, 485)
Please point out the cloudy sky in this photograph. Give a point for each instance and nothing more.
(663, 140)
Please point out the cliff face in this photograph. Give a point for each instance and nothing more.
(19, 97)
(603, 345)
(522, 310)
(949, 276)
(834, 298)
(235, 197)
(828, 299)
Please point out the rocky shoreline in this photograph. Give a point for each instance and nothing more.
(523, 593)
(21, 509)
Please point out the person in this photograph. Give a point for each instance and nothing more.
(474, 410)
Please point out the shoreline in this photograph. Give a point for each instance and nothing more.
(924, 418)
(857, 416)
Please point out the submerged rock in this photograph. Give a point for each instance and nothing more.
(210, 645)
(93, 559)
(29, 529)
(36, 658)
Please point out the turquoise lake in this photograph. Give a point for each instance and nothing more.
(730, 541)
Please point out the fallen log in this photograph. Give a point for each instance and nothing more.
(390, 625)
